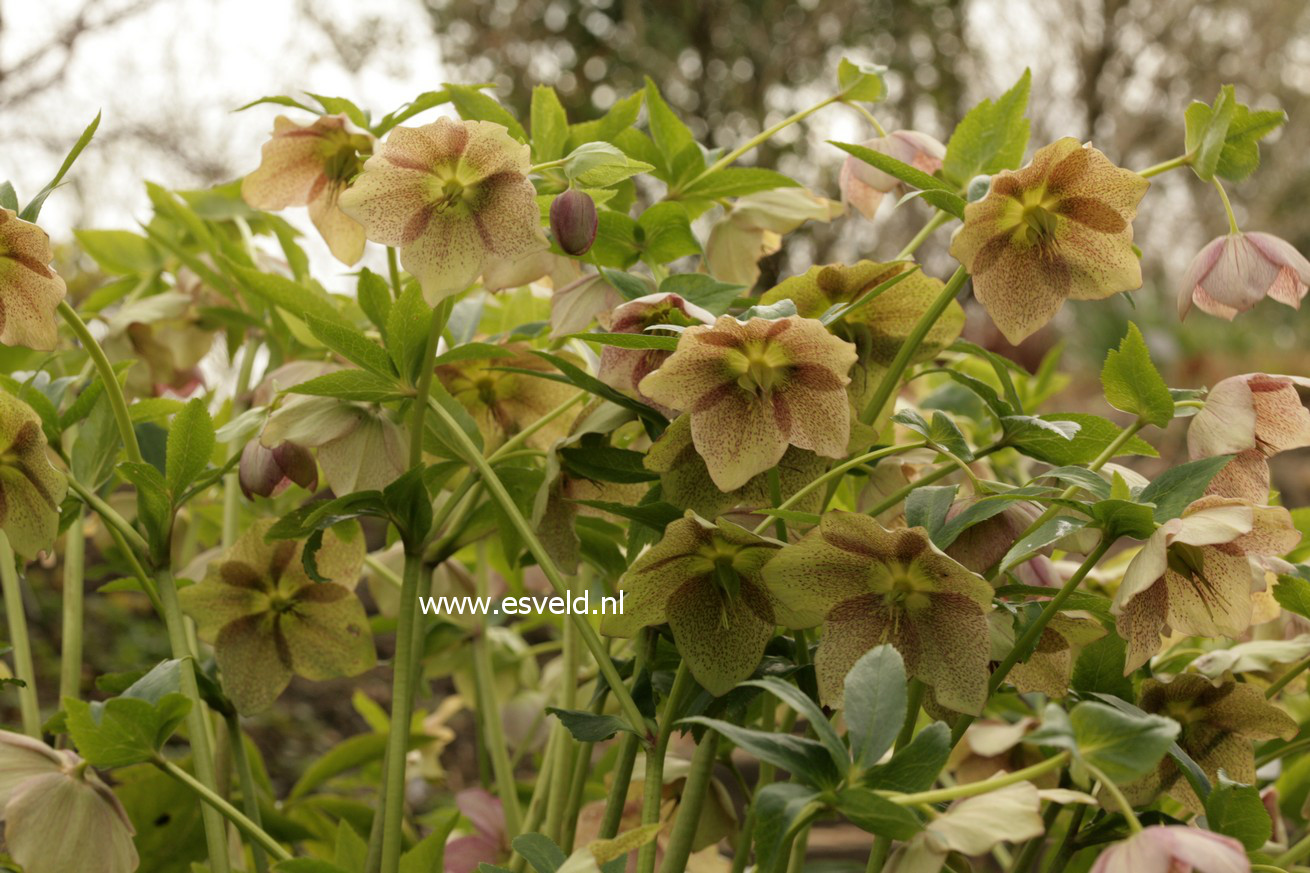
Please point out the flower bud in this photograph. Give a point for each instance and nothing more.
(573, 221)
(268, 472)
(981, 546)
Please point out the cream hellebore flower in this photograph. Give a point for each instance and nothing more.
(504, 403)
(453, 196)
(1174, 849)
(753, 389)
(1059, 228)
(1193, 576)
(868, 585)
(311, 165)
(1235, 272)
(704, 580)
(863, 185)
(1254, 417)
(752, 229)
(623, 369)
(58, 815)
(1220, 723)
(973, 827)
(31, 489)
(267, 619)
(30, 291)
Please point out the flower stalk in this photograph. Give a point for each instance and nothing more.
(29, 706)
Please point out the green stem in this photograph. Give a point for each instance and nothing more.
(246, 776)
(202, 755)
(775, 497)
(924, 232)
(688, 818)
(732, 156)
(111, 517)
(402, 704)
(28, 705)
(1282, 681)
(926, 479)
(548, 165)
(223, 809)
(1166, 166)
(393, 270)
(1027, 855)
(836, 473)
(70, 647)
(763, 778)
(653, 785)
(423, 388)
(1295, 853)
(973, 789)
(1282, 751)
(1228, 206)
(1125, 807)
(568, 699)
(231, 481)
(1027, 642)
(869, 117)
(892, 378)
(644, 651)
(796, 857)
(113, 390)
(1060, 860)
(524, 529)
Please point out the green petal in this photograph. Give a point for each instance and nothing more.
(327, 634)
(852, 628)
(58, 823)
(31, 489)
(811, 576)
(30, 291)
(721, 638)
(253, 668)
(214, 603)
(657, 574)
(954, 646)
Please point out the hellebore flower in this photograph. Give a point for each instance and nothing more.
(311, 165)
(1193, 576)
(973, 827)
(623, 369)
(1235, 272)
(685, 480)
(1050, 667)
(752, 229)
(58, 814)
(982, 546)
(453, 196)
(573, 221)
(868, 585)
(1220, 722)
(267, 619)
(268, 472)
(1254, 417)
(704, 580)
(489, 842)
(753, 389)
(1059, 228)
(164, 332)
(31, 489)
(1174, 849)
(359, 447)
(504, 403)
(574, 305)
(30, 291)
(863, 185)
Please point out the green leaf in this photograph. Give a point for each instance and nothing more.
(664, 341)
(665, 233)
(1122, 746)
(429, 855)
(1133, 384)
(616, 242)
(876, 814)
(8, 196)
(780, 806)
(1091, 482)
(422, 103)
(705, 291)
(190, 445)
(875, 701)
(926, 507)
(278, 100)
(359, 385)
(540, 851)
(937, 192)
(1236, 810)
(120, 252)
(1050, 531)
(862, 82)
(1124, 518)
(1175, 489)
(123, 730)
(737, 182)
(1207, 131)
(601, 165)
(408, 324)
(342, 106)
(805, 759)
(804, 706)
(576, 376)
(680, 155)
(33, 207)
(374, 295)
(1241, 152)
(653, 515)
(353, 346)
(473, 105)
(472, 352)
(409, 506)
(943, 433)
(1100, 668)
(607, 464)
(348, 754)
(307, 865)
(991, 137)
(295, 299)
(1094, 435)
(588, 727)
(917, 766)
(550, 125)
(1293, 594)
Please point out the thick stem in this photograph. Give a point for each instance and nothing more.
(221, 808)
(393, 270)
(913, 700)
(694, 790)
(402, 704)
(1060, 859)
(775, 497)
(1282, 681)
(617, 800)
(524, 529)
(799, 845)
(231, 481)
(1125, 807)
(70, 647)
(653, 785)
(924, 232)
(246, 775)
(29, 707)
(764, 777)
(568, 699)
(892, 378)
(202, 754)
(111, 517)
(424, 385)
(1228, 206)
(489, 708)
(113, 390)
(731, 157)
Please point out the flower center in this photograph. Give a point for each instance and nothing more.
(761, 367)
(901, 585)
(1039, 224)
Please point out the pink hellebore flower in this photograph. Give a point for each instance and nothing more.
(753, 389)
(863, 186)
(488, 843)
(1235, 272)
(310, 165)
(1174, 849)
(1057, 229)
(622, 369)
(30, 291)
(454, 197)
(1254, 417)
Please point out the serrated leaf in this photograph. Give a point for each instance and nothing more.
(805, 759)
(1048, 532)
(1236, 810)
(190, 445)
(666, 235)
(1175, 489)
(358, 385)
(352, 345)
(1094, 435)
(589, 727)
(550, 125)
(1133, 384)
(991, 137)
(737, 182)
(664, 341)
(1207, 131)
(473, 105)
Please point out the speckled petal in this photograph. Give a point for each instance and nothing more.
(368, 458)
(954, 651)
(327, 634)
(851, 629)
(392, 202)
(30, 291)
(1021, 293)
(344, 236)
(722, 639)
(291, 164)
(253, 667)
(1140, 622)
(811, 576)
(31, 489)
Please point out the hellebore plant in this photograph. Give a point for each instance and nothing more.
(630, 515)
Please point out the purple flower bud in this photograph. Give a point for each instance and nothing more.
(573, 221)
(297, 464)
(267, 472)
